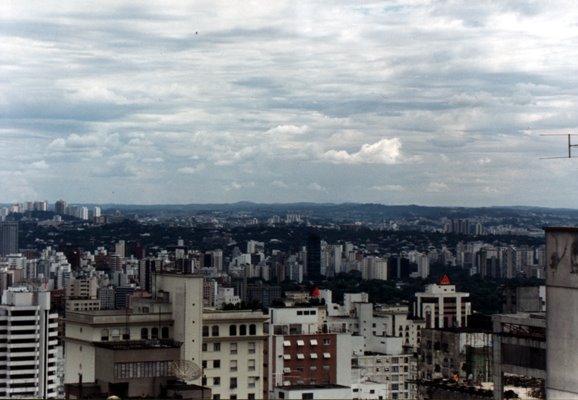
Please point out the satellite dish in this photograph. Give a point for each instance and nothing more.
(185, 370)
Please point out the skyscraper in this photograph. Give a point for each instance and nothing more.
(60, 207)
(313, 257)
(8, 238)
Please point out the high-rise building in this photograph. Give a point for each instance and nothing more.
(8, 238)
(29, 365)
(60, 207)
(313, 257)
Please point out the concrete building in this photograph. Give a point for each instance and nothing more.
(450, 353)
(519, 347)
(233, 354)
(172, 319)
(562, 324)
(28, 345)
(441, 306)
(299, 352)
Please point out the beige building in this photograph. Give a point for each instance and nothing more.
(171, 319)
(233, 354)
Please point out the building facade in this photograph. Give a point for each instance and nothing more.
(28, 345)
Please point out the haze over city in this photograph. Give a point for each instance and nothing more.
(396, 102)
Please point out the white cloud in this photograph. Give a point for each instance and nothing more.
(316, 187)
(388, 188)
(39, 165)
(437, 187)
(191, 170)
(386, 151)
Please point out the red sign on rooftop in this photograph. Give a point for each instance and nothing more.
(445, 280)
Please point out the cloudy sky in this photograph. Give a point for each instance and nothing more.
(395, 102)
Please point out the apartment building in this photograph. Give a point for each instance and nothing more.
(28, 345)
(233, 354)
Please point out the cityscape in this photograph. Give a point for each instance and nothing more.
(243, 301)
(288, 200)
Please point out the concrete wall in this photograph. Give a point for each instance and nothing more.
(562, 319)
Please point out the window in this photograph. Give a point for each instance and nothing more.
(286, 356)
(216, 381)
(204, 347)
(155, 333)
(233, 348)
(204, 364)
(144, 333)
(216, 363)
(233, 397)
(252, 329)
(300, 356)
(252, 382)
(233, 330)
(312, 368)
(326, 368)
(286, 343)
(216, 397)
(300, 343)
(250, 396)
(243, 330)
(313, 356)
(326, 342)
(216, 346)
(233, 383)
(104, 335)
(251, 347)
(251, 365)
(165, 332)
(313, 342)
(205, 331)
(326, 355)
(307, 396)
(215, 330)
(299, 312)
(126, 334)
(233, 365)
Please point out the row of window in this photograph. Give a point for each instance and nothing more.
(301, 356)
(306, 312)
(233, 348)
(146, 369)
(233, 365)
(214, 330)
(233, 383)
(312, 342)
(115, 333)
(250, 396)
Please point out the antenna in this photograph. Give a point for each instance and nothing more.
(570, 145)
(185, 370)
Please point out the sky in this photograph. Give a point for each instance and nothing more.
(439, 103)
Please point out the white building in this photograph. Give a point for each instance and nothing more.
(233, 354)
(441, 306)
(28, 344)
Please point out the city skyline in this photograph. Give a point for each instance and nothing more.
(424, 102)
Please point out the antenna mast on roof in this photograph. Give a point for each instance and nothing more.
(570, 145)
